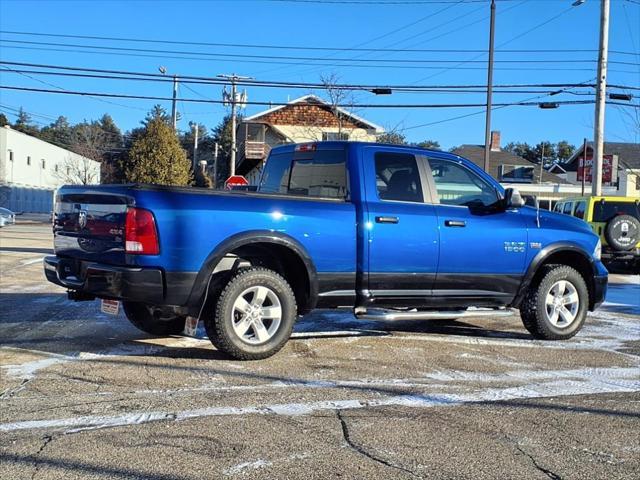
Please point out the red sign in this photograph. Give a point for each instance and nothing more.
(586, 171)
(235, 181)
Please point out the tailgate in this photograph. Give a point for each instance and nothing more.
(89, 224)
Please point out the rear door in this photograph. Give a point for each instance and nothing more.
(401, 229)
(89, 224)
(482, 249)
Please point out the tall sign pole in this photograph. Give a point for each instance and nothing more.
(601, 93)
(584, 165)
(487, 128)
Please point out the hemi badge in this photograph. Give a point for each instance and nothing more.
(536, 245)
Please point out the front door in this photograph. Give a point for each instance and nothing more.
(482, 248)
(400, 230)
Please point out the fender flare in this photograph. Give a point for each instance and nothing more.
(248, 238)
(539, 259)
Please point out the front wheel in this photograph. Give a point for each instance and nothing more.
(254, 316)
(556, 308)
(143, 318)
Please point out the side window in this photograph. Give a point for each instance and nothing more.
(310, 173)
(457, 185)
(330, 136)
(567, 208)
(397, 177)
(580, 209)
(558, 207)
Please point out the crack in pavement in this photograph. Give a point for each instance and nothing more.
(358, 449)
(47, 439)
(547, 472)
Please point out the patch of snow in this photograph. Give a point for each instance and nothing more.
(242, 467)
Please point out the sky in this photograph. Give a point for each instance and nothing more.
(565, 37)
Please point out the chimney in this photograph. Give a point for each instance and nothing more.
(495, 141)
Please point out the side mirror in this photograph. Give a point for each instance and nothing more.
(512, 198)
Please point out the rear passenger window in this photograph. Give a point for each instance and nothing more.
(312, 173)
(397, 177)
(580, 209)
(567, 208)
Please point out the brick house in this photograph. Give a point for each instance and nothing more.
(305, 119)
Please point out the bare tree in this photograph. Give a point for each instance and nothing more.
(88, 140)
(337, 96)
(77, 170)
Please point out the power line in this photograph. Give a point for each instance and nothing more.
(300, 47)
(289, 84)
(314, 59)
(282, 62)
(355, 105)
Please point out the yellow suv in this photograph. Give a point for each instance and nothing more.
(616, 220)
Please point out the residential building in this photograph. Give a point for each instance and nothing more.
(31, 169)
(620, 172)
(305, 119)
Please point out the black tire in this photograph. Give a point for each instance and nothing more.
(622, 233)
(220, 327)
(533, 310)
(142, 318)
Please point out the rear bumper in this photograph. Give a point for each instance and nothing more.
(146, 285)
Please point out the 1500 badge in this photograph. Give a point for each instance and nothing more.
(516, 247)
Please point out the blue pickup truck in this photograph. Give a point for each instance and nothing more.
(390, 232)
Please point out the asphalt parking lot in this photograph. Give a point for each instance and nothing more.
(86, 395)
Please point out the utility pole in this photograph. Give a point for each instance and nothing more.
(174, 106)
(541, 164)
(487, 128)
(195, 145)
(234, 100)
(601, 94)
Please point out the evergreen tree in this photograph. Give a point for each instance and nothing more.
(3, 120)
(156, 155)
(392, 138)
(221, 135)
(564, 150)
(59, 133)
(24, 124)
(430, 144)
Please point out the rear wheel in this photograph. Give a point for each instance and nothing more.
(254, 316)
(143, 318)
(556, 307)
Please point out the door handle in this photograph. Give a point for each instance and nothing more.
(455, 223)
(387, 219)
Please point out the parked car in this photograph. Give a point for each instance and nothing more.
(616, 220)
(390, 232)
(7, 217)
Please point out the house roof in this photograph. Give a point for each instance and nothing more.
(475, 153)
(314, 99)
(628, 155)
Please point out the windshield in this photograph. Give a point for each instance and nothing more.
(604, 211)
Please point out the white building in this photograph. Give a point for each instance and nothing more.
(31, 169)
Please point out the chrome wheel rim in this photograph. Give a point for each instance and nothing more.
(256, 315)
(562, 304)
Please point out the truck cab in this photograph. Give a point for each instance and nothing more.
(387, 231)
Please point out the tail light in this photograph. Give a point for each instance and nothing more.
(141, 236)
